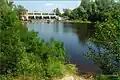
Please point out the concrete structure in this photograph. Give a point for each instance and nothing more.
(38, 15)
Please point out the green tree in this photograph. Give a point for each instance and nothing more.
(23, 53)
(97, 8)
(107, 37)
(57, 11)
(20, 10)
(74, 14)
(84, 3)
(67, 12)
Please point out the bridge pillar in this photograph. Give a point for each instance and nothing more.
(42, 16)
(49, 17)
(34, 17)
(27, 17)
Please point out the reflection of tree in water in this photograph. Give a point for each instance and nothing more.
(67, 27)
(25, 25)
(83, 31)
(56, 27)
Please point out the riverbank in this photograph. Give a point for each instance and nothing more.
(77, 21)
(69, 21)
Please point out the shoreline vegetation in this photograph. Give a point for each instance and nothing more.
(68, 21)
(25, 56)
(77, 21)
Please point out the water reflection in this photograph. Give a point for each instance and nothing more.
(75, 38)
(84, 31)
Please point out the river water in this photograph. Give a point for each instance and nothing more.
(75, 38)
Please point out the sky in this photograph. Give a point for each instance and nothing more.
(47, 5)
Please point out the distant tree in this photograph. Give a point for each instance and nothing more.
(74, 14)
(67, 12)
(57, 11)
(20, 10)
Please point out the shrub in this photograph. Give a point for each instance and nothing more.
(107, 77)
(24, 54)
(107, 38)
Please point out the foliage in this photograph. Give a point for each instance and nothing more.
(24, 54)
(102, 78)
(67, 13)
(107, 38)
(107, 77)
(57, 11)
(93, 10)
(10, 42)
(20, 10)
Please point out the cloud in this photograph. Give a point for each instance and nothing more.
(48, 4)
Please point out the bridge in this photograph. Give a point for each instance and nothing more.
(39, 15)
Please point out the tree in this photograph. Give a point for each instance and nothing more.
(74, 14)
(107, 38)
(23, 53)
(67, 12)
(57, 12)
(84, 3)
(89, 8)
(20, 10)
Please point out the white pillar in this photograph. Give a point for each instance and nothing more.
(34, 17)
(42, 16)
(49, 17)
(27, 17)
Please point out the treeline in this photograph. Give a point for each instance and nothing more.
(92, 10)
(24, 55)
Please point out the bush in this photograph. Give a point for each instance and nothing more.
(107, 77)
(106, 39)
(103, 77)
(24, 54)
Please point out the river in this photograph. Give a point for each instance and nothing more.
(75, 38)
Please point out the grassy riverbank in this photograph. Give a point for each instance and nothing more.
(77, 21)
